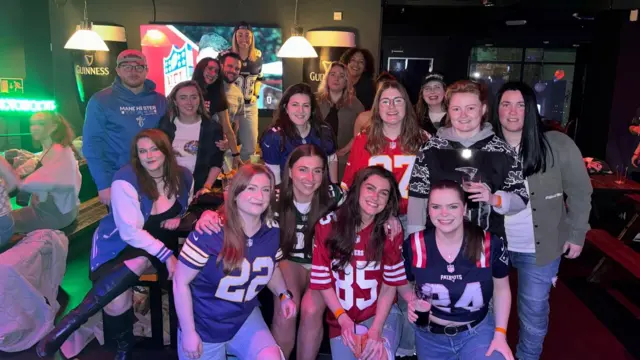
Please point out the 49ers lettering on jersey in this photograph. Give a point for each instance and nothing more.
(358, 284)
(392, 158)
(462, 288)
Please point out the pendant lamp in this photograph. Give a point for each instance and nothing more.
(85, 38)
(297, 46)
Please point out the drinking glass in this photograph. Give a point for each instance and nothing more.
(423, 292)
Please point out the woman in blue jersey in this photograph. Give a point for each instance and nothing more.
(219, 276)
(464, 268)
(297, 121)
(148, 196)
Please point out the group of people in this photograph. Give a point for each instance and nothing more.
(368, 211)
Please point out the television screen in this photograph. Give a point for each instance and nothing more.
(173, 50)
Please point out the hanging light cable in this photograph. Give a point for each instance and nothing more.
(297, 46)
(85, 38)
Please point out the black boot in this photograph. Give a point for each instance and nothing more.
(118, 333)
(103, 292)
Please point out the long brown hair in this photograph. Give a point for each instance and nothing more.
(320, 204)
(411, 135)
(171, 174)
(473, 234)
(234, 242)
(172, 104)
(347, 93)
(342, 240)
(62, 132)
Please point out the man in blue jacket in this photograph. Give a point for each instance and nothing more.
(115, 115)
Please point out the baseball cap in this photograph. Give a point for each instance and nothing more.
(131, 55)
(243, 25)
(434, 76)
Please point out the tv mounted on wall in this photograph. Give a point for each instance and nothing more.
(173, 50)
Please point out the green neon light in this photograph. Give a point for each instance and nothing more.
(26, 105)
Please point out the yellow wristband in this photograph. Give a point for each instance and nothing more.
(501, 330)
(338, 313)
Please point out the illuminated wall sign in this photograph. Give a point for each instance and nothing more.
(26, 105)
(11, 86)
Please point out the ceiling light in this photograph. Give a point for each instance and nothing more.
(85, 38)
(297, 46)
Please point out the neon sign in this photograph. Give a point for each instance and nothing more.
(26, 105)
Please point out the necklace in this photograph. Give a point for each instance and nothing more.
(451, 268)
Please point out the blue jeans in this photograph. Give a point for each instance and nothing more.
(390, 335)
(534, 285)
(468, 345)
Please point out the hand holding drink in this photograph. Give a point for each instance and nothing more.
(422, 305)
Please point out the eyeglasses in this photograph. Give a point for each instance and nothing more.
(396, 102)
(129, 68)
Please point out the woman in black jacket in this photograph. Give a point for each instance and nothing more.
(193, 134)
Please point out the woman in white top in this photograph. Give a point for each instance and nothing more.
(53, 177)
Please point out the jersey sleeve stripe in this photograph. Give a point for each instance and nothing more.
(419, 250)
(394, 273)
(320, 281)
(279, 255)
(393, 267)
(189, 261)
(196, 248)
(320, 275)
(485, 255)
(189, 250)
(319, 268)
(394, 280)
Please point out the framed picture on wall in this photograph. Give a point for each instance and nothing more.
(410, 71)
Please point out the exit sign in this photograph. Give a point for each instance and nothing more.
(11, 86)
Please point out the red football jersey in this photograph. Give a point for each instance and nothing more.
(391, 159)
(358, 284)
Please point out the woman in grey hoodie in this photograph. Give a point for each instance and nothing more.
(467, 151)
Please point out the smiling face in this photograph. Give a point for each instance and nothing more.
(392, 106)
(337, 80)
(299, 109)
(446, 209)
(356, 65)
(254, 199)
(187, 101)
(465, 112)
(244, 38)
(211, 72)
(151, 158)
(433, 93)
(231, 69)
(511, 111)
(374, 195)
(40, 127)
(306, 175)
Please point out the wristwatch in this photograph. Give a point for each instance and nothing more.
(286, 294)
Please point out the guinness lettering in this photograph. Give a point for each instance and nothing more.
(89, 70)
(315, 76)
(313, 69)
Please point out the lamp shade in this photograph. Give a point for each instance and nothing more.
(297, 47)
(86, 39)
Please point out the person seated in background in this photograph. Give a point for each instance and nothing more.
(357, 267)
(52, 177)
(193, 135)
(297, 121)
(208, 75)
(115, 115)
(220, 275)
(461, 268)
(149, 195)
(8, 182)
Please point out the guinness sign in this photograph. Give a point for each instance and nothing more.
(95, 70)
(330, 45)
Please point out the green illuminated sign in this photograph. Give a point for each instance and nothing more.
(26, 105)
(11, 86)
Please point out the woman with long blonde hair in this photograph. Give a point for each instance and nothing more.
(219, 276)
(339, 107)
(52, 177)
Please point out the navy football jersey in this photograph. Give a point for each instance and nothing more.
(222, 303)
(250, 73)
(461, 289)
(302, 221)
(276, 153)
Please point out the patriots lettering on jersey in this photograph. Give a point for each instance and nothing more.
(452, 278)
